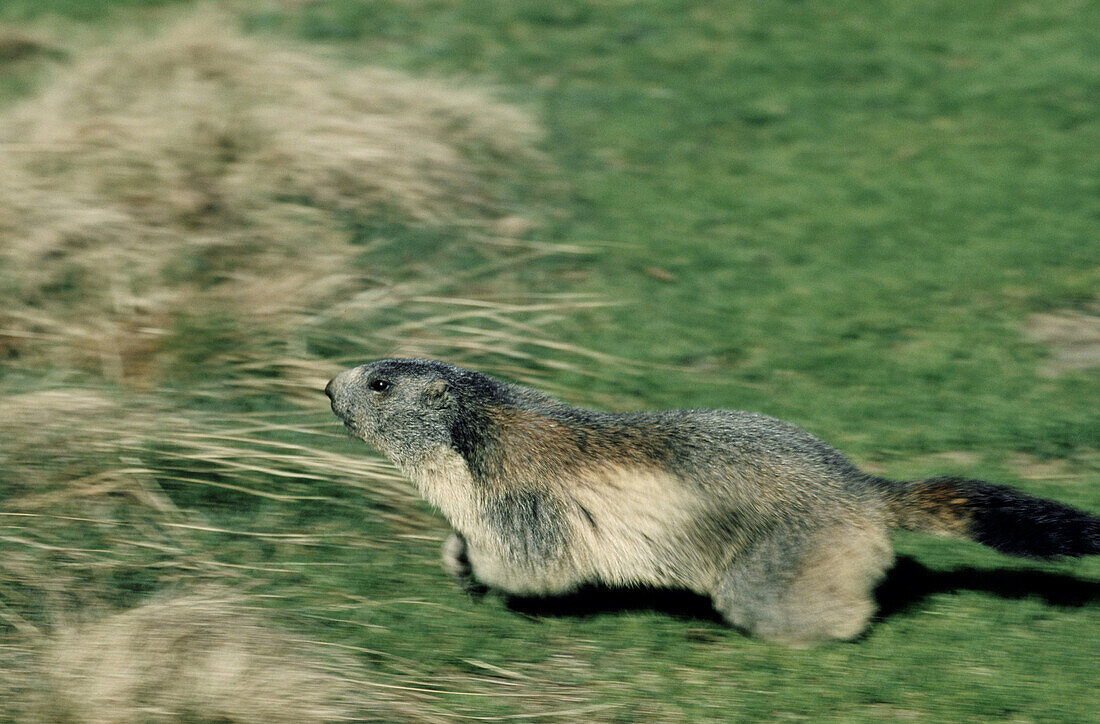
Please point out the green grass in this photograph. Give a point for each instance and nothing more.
(84, 10)
(840, 214)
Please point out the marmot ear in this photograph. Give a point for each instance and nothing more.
(438, 394)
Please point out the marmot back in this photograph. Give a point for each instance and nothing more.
(782, 531)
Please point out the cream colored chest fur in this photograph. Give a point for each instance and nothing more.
(443, 479)
(643, 529)
(624, 526)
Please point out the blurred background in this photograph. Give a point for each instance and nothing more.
(878, 220)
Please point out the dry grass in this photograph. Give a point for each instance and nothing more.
(94, 486)
(17, 45)
(199, 176)
(211, 656)
(1073, 337)
(73, 525)
(201, 657)
(202, 170)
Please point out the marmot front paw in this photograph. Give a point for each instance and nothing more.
(457, 565)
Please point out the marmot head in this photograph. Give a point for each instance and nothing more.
(404, 407)
(409, 408)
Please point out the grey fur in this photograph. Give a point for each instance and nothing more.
(782, 531)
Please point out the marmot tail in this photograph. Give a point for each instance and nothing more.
(995, 515)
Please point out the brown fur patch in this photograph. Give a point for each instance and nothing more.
(937, 507)
(534, 441)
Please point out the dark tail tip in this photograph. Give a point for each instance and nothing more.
(1022, 525)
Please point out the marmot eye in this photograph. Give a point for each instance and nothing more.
(379, 385)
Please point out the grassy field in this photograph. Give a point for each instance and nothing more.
(878, 220)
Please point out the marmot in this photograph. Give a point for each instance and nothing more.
(784, 534)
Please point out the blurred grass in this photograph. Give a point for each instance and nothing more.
(846, 215)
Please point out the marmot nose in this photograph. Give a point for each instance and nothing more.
(328, 388)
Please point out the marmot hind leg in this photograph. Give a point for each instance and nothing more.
(806, 587)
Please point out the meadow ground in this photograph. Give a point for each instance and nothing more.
(880, 221)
